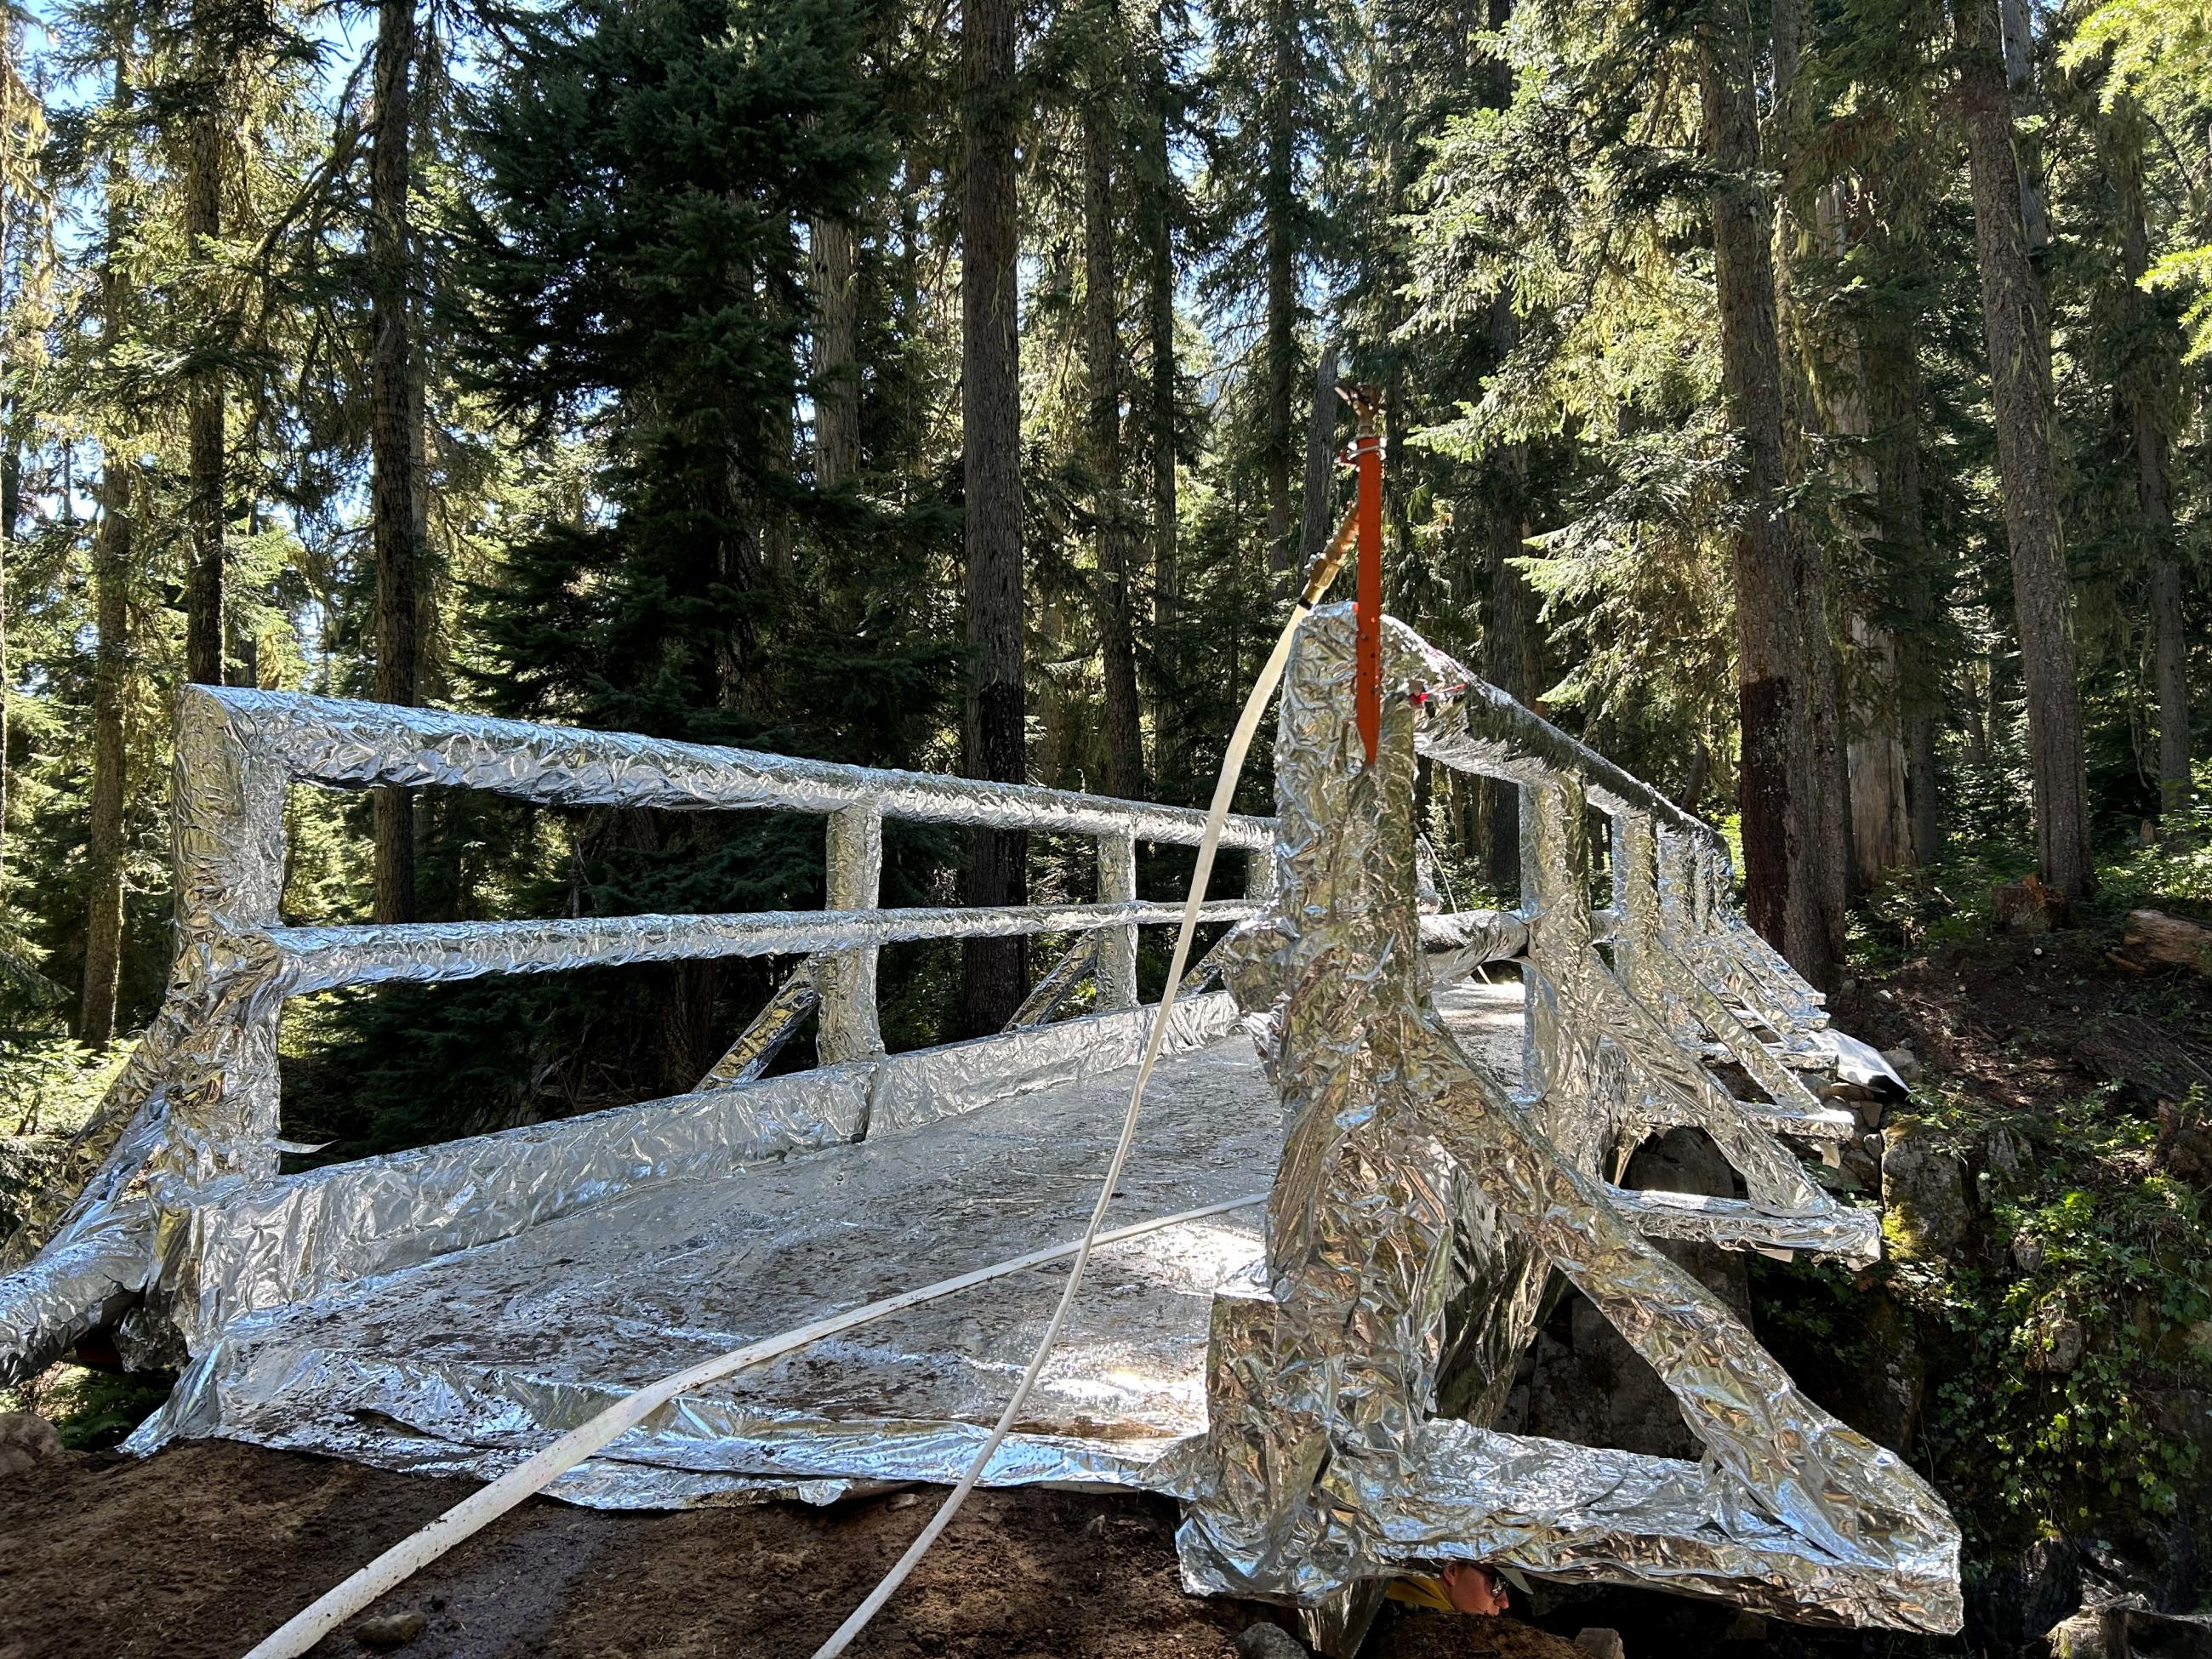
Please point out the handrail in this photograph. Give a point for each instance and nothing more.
(323, 958)
(342, 744)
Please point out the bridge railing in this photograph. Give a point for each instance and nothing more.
(240, 751)
(197, 1103)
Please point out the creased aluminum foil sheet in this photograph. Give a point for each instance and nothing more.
(235, 1247)
(1420, 1192)
(465, 1360)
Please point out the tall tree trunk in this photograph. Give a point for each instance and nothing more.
(995, 972)
(1823, 867)
(836, 353)
(103, 860)
(394, 434)
(1874, 732)
(1509, 661)
(1280, 252)
(1170, 764)
(2145, 384)
(203, 408)
(2017, 325)
(11, 515)
(1894, 395)
(111, 562)
(2017, 29)
(1511, 650)
(1102, 345)
(1314, 521)
(1775, 698)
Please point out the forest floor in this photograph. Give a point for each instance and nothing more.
(200, 1552)
(207, 1546)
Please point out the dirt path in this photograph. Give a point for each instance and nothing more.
(206, 1548)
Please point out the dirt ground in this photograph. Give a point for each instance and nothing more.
(200, 1551)
(2029, 1021)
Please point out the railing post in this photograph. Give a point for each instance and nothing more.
(1117, 946)
(855, 854)
(1636, 933)
(227, 828)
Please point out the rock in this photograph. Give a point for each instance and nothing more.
(391, 1630)
(2171, 941)
(1585, 1383)
(2005, 1154)
(1870, 1111)
(1903, 1061)
(26, 1439)
(1265, 1641)
(2088, 1635)
(2148, 1635)
(2029, 906)
(1924, 1192)
(2017, 1600)
(1600, 1643)
(2058, 1344)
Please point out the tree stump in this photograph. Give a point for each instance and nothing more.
(2029, 906)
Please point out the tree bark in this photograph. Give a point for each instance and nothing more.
(1822, 869)
(111, 664)
(2017, 29)
(1510, 647)
(1280, 252)
(2016, 325)
(995, 972)
(1876, 782)
(11, 515)
(394, 433)
(1781, 827)
(104, 851)
(1169, 736)
(203, 406)
(2145, 380)
(1125, 741)
(1321, 463)
(836, 354)
(1893, 394)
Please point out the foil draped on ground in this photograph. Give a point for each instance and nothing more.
(1438, 1158)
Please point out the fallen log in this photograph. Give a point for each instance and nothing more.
(2172, 941)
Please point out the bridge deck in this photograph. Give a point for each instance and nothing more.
(458, 1364)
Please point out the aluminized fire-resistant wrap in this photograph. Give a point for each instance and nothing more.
(1600, 1043)
(1474, 726)
(236, 1248)
(100, 1255)
(1731, 956)
(763, 1038)
(1411, 1181)
(362, 745)
(321, 959)
(1653, 963)
(853, 863)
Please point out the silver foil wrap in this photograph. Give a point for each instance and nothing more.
(1436, 1155)
(1423, 1203)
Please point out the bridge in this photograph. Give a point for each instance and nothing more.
(1361, 1174)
